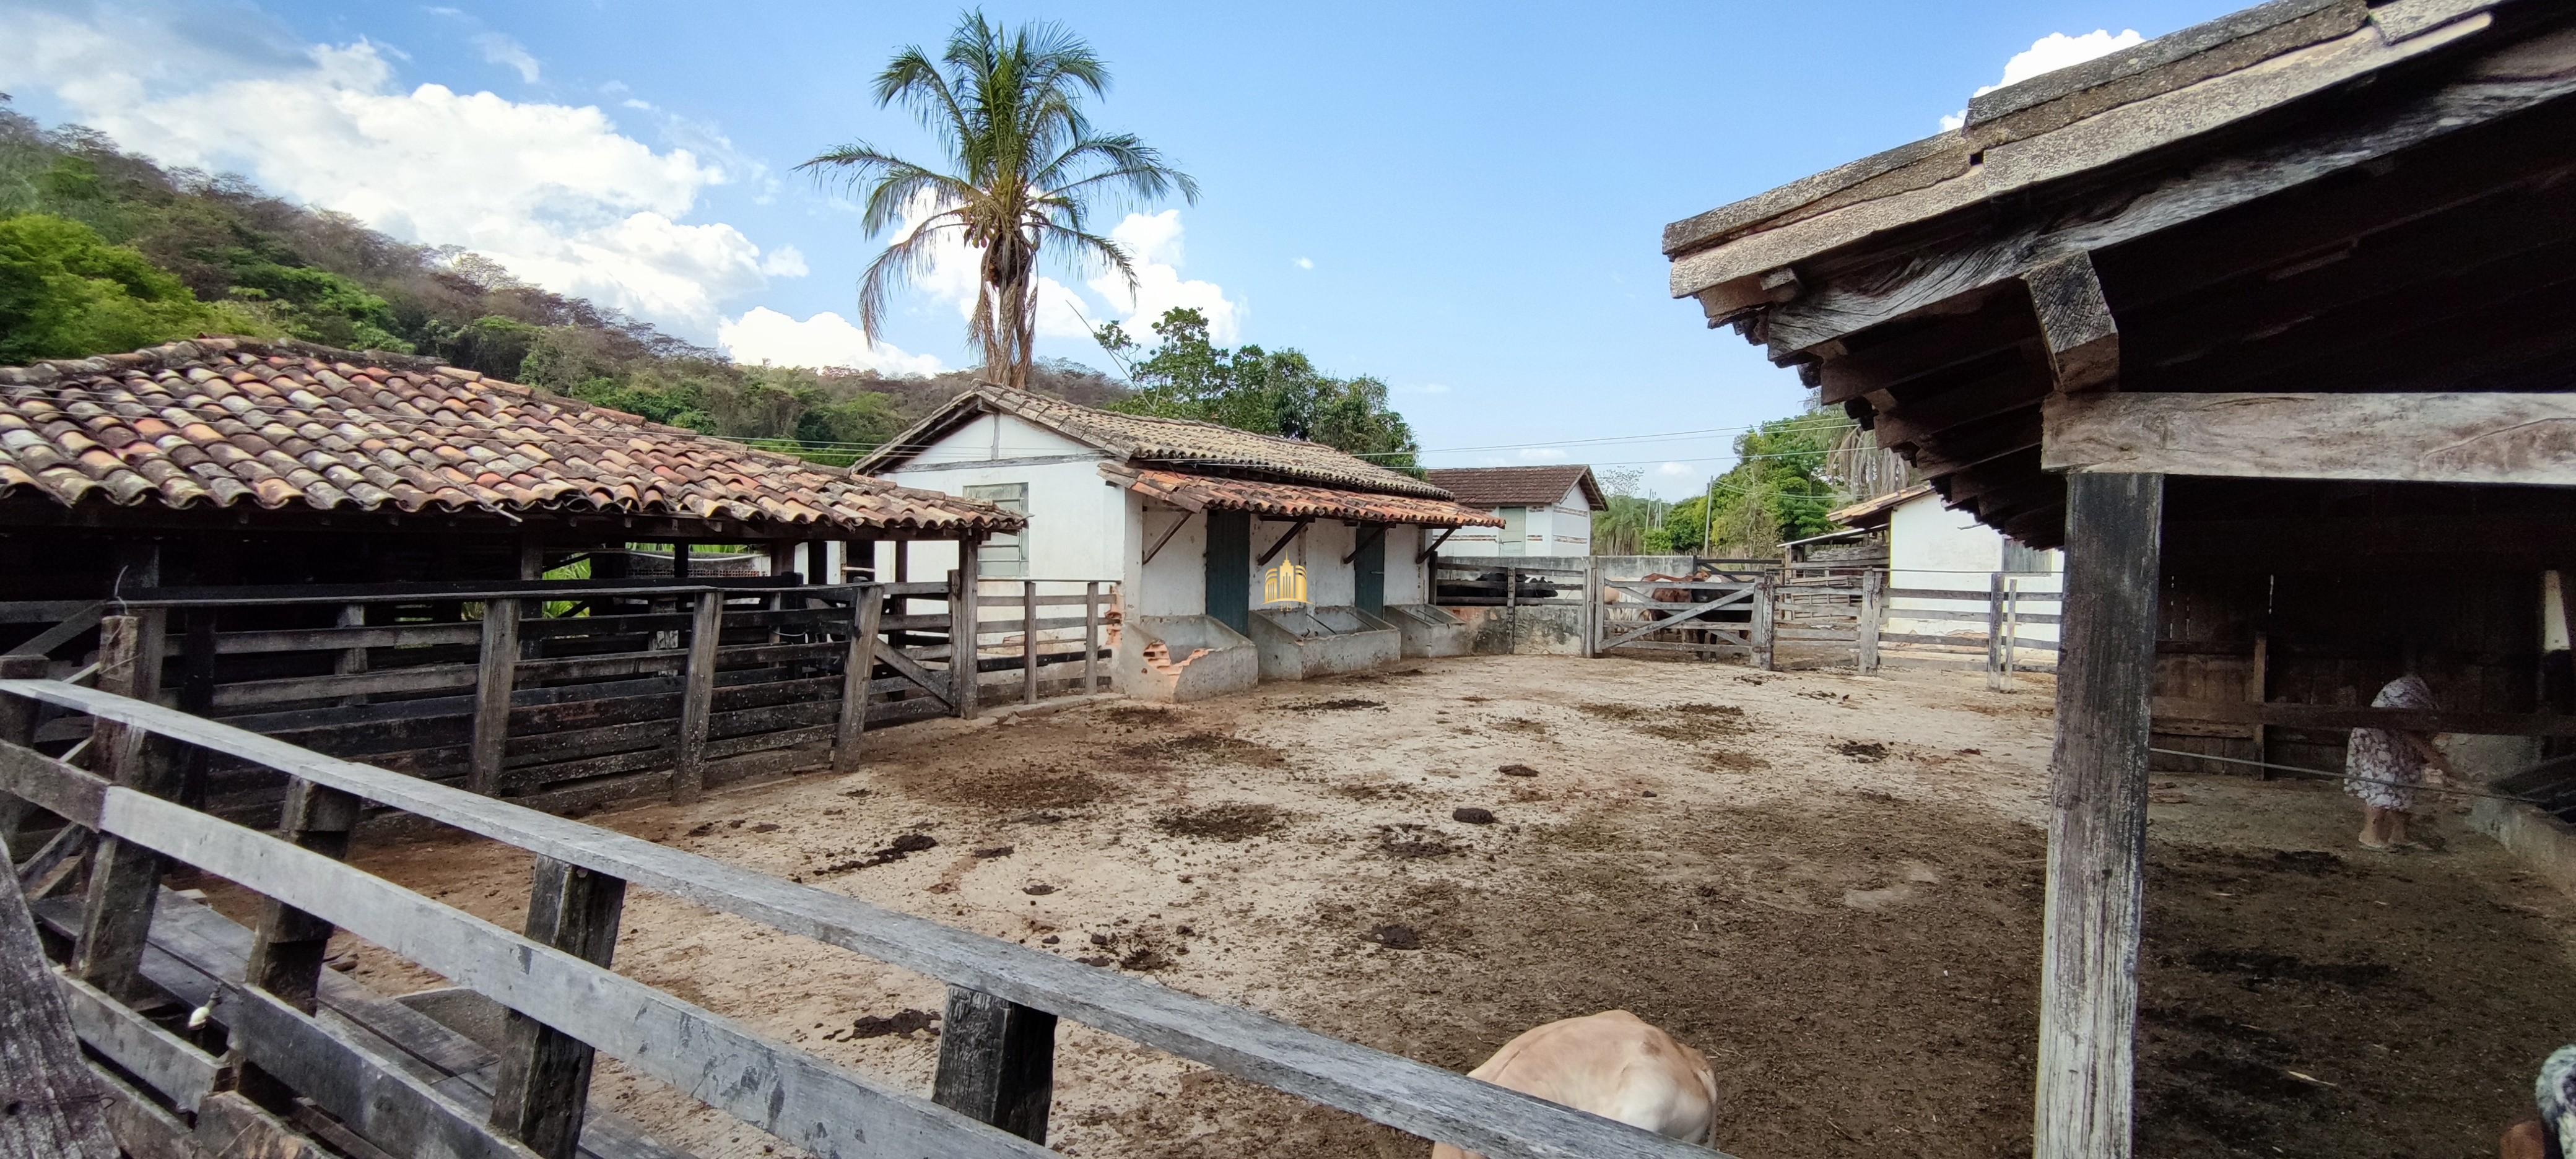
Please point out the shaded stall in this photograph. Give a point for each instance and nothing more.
(2265, 323)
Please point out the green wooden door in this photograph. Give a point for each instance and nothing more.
(1229, 569)
(1368, 571)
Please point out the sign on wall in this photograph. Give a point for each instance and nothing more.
(1284, 584)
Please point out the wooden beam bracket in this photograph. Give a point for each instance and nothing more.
(2083, 340)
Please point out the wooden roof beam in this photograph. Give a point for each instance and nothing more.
(2075, 323)
(2493, 437)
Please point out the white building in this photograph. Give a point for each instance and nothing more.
(1545, 510)
(1931, 547)
(1237, 555)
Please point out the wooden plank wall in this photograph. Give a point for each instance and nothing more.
(594, 693)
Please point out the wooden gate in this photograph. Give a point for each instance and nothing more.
(1722, 616)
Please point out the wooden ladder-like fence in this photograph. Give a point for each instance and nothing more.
(245, 1061)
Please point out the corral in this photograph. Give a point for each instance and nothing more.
(1831, 883)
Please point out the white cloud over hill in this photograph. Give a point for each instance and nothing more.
(556, 193)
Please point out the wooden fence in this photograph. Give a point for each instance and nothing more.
(235, 1038)
(1994, 639)
(565, 695)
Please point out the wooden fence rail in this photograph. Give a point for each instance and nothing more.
(994, 1059)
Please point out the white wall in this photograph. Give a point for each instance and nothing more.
(1931, 547)
(1175, 583)
(1407, 582)
(1077, 520)
(1564, 528)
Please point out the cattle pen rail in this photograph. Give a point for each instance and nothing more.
(994, 1079)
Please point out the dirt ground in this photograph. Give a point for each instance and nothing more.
(1829, 883)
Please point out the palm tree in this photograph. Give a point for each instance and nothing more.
(1023, 169)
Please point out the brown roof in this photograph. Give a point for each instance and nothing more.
(1290, 501)
(1150, 441)
(1492, 487)
(1876, 510)
(231, 422)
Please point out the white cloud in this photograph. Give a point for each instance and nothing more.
(1305, 263)
(784, 262)
(2048, 54)
(1675, 470)
(1426, 388)
(499, 49)
(822, 341)
(1153, 245)
(555, 193)
(1542, 454)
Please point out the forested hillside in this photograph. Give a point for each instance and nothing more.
(104, 251)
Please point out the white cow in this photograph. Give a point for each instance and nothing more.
(1615, 1065)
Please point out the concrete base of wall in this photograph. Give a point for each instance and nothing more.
(1428, 631)
(1304, 643)
(2543, 842)
(1536, 629)
(1178, 658)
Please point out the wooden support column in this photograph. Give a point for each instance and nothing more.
(697, 699)
(996, 1063)
(287, 950)
(2082, 339)
(1995, 632)
(962, 628)
(532, 557)
(902, 561)
(55, 1108)
(858, 670)
(1028, 641)
(1873, 610)
(543, 1090)
(1765, 610)
(17, 727)
(782, 556)
(2097, 826)
(116, 915)
(196, 697)
(1091, 637)
(493, 683)
(679, 561)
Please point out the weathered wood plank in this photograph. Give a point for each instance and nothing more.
(689, 773)
(1399, 1092)
(494, 678)
(116, 911)
(856, 670)
(330, 639)
(2487, 437)
(805, 1100)
(542, 1092)
(53, 1099)
(2333, 716)
(182, 1074)
(426, 678)
(2097, 829)
(962, 603)
(62, 633)
(381, 1103)
(2075, 323)
(996, 1063)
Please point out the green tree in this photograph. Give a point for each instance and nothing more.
(66, 293)
(1188, 376)
(1779, 489)
(1023, 170)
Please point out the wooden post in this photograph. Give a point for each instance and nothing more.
(1591, 608)
(532, 557)
(1995, 632)
(902, 561)
(961, 630)
(2097, 829)
(2012, 626)
(125, 878)
(1873, 611)
(679, 561)
(287, 950)
(858, 668)
(697, 699)
(996, 1063)
(542, 1091)
(351, 661)
(2258, 689)
(1029, 641)
(782, 557)
(1511, 609)
(492, 686)
(17, 727)
(1091, 637)
(1765, 608)
(55, 1109)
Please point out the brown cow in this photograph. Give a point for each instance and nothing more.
(1612, 1064)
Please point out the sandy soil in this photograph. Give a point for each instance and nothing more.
(1829, 883)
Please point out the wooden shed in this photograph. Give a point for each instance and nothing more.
(345, 550)
(2267, 323)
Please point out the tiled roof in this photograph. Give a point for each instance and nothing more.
(1878, 509)
(231, 422)
(1291, 501)
(1147, 442)
(1492, 487)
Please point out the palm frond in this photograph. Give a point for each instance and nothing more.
(903, 259)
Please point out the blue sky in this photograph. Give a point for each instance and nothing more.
(1463, 200)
